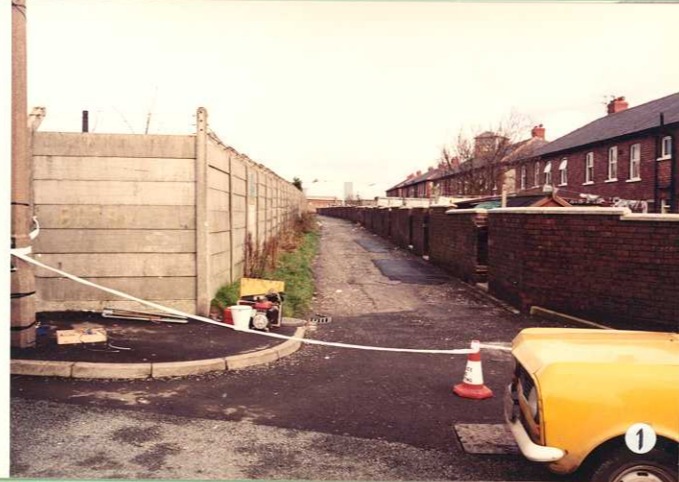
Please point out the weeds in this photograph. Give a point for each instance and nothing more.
(289, 259)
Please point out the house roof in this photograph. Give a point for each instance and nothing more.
(628, 121)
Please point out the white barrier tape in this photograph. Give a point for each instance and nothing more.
(19, 252)
(465, 351)
(34, 234)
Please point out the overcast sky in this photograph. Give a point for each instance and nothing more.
(347, 91)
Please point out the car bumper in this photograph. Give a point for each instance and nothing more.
(529, 449)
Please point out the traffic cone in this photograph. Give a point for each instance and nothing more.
(472, 384)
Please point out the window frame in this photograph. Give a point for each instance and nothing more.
(523, 177)
(665, 148)
(536, 174)
(612, 164)
(589, 168)
(563, 172)
(635, 162)
(548, 173)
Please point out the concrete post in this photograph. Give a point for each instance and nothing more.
(203, 295)
(22, 278)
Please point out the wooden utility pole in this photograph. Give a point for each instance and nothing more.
(22, 279)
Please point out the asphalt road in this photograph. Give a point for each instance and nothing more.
(321, 413)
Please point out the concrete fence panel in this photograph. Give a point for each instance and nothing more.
(165, 218)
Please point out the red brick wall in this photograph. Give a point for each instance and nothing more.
(454, 241)
(420, 217)
(596, 266)
(400, 227)
(381, 222)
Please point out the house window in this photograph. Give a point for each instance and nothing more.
(589, 168)
(635, 162)
(523, 177)
(613, 164)
(536, 174)
(563, 172)
(666, 147)
(548, 173)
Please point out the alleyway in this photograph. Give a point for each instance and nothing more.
(321, 413)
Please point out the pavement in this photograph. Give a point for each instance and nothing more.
(142, 349)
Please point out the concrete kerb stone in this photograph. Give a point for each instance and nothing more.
(156, 370)
(184, 368)
(245, 360)
(41, 368)
(111, 370)
(290, 346)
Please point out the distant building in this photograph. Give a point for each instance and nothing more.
(316, 202)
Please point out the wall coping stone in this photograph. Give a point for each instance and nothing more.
(651, 217)
(467, 211)
(549, 211)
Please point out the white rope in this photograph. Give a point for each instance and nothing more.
(23, 254)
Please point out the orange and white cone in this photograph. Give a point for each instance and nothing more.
(472, 384)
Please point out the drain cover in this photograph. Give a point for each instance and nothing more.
(321, 320)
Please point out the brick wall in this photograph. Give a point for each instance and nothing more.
(400, 227)
(590, 262)
(381, 225)
(454, 241)
(420, 219)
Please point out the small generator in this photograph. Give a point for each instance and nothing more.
(266, 298)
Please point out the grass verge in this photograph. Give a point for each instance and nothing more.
(293, 266)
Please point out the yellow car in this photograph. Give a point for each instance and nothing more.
(603, 401)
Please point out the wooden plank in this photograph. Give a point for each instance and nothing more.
(106, 265)
(114, 145)
(114, 241)
(113, 168)
(185, 306)
(114, 192)
(115, 217)
(63, 289)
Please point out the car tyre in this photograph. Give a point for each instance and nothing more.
(625, 466)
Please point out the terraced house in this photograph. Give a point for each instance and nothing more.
(627, 159)
(624, 159)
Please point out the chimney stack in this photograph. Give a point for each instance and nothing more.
(538, 131)
(616, 105)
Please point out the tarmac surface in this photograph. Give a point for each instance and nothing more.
(135, 341)
(322, 413)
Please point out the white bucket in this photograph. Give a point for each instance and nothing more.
(241, 315)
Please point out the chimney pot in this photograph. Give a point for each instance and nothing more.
(617, 105)
(538, 131)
